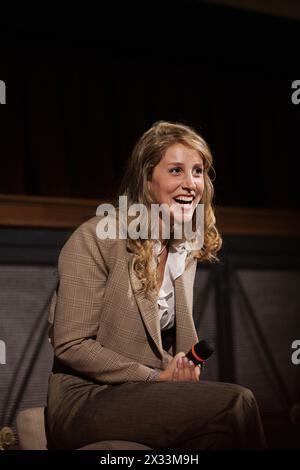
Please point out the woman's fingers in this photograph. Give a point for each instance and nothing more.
(186, 371)
(180, 366)
(193, 371)
(180, 375)
(175, 375)
(197, 372)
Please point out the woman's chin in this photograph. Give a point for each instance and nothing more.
(182, 217)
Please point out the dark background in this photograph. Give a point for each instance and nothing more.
(84, 84)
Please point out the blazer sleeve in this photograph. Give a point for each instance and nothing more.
(82, 280)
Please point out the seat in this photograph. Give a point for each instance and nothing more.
(32, 434)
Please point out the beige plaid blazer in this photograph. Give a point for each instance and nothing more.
(100, 325)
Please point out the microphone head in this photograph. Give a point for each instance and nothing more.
(204, 349)
(201, 351)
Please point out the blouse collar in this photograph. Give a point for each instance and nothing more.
(179, 245)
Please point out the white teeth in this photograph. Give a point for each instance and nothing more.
(184, 198)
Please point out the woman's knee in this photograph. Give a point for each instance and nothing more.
(242, 393)
(241, 404)
(247, 398)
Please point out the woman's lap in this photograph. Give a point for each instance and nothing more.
(157, 414)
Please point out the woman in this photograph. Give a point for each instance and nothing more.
(123, 317)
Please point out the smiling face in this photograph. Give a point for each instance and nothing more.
(178, 181)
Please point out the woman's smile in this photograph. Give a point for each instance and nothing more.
(178, 181)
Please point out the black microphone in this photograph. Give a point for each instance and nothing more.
(200, 352)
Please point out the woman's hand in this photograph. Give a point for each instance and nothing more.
(180, 369)
(186, 371)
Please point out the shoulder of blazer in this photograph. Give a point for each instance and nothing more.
(85, 240)
(92, 230)
(89, 231)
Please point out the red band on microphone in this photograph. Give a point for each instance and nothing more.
(195, 355)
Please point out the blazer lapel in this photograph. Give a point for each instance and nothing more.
(147, 306)
(186, 334)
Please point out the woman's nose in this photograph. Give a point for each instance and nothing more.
(188, 182)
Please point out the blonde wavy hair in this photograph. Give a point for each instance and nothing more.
(147, 153)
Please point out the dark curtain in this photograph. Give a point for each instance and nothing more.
(79, 98)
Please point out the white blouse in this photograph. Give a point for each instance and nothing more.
(174, 267)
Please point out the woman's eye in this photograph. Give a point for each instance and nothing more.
(175, 170)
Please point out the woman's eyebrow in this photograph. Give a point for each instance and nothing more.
(181, 163)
